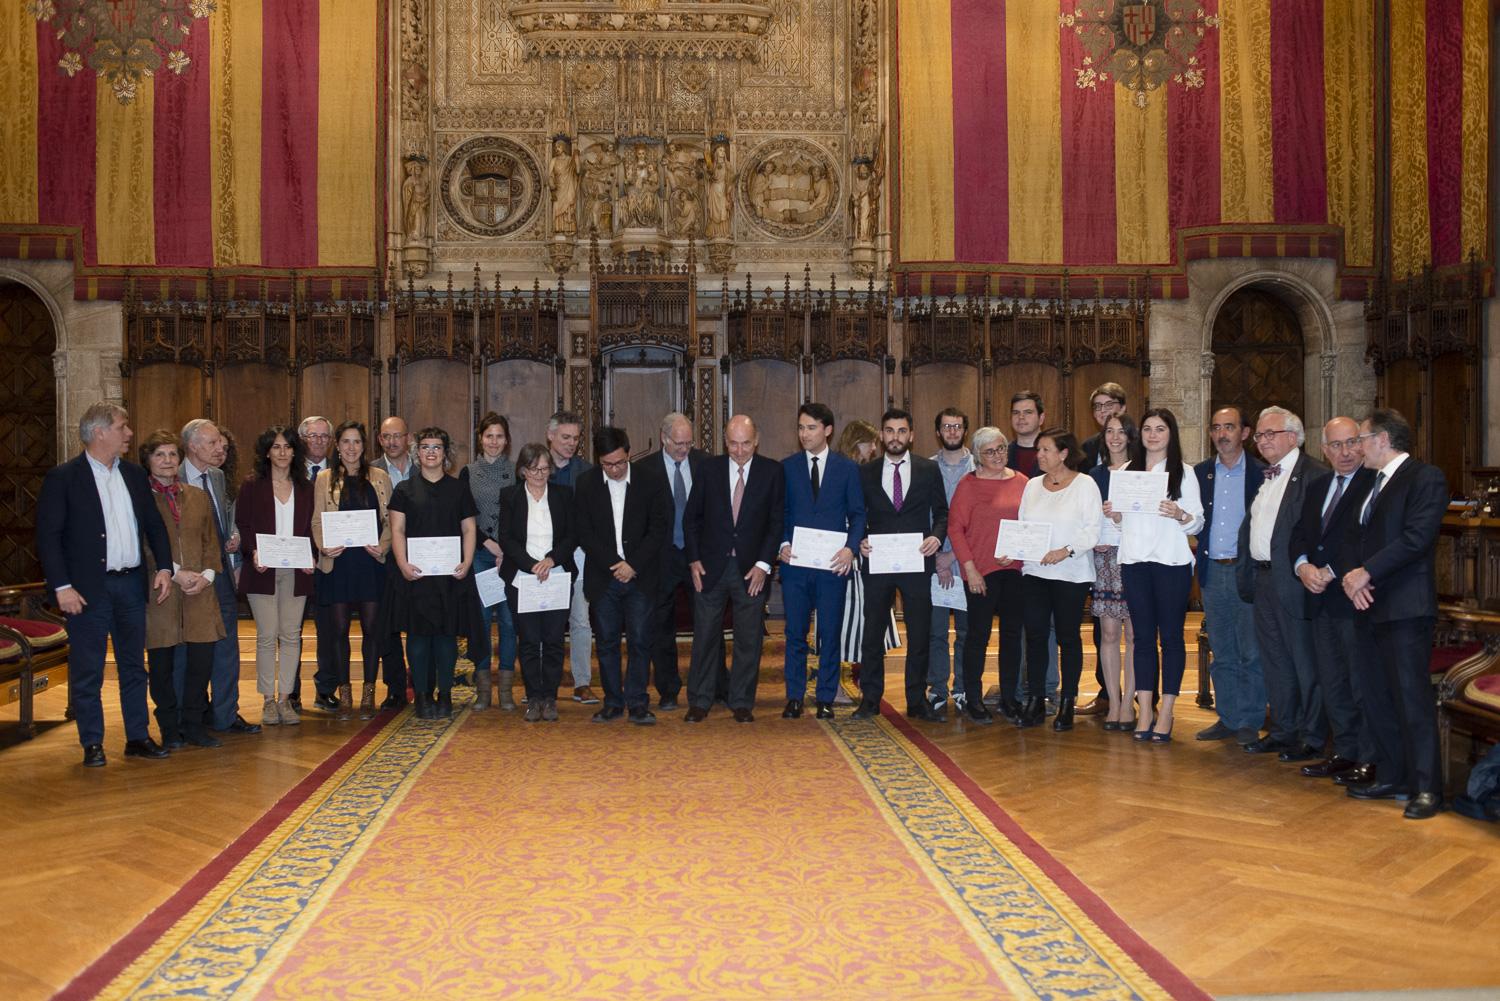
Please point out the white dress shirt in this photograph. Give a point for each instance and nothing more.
(1382, 480)
(617, 490)
(734, 477)
(538, 525)
(122, 537)
(1074, 513)
(822, 458)
(888, 476)
(1267, 505)
(1151, 537)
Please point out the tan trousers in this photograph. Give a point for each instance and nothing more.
(278, 636)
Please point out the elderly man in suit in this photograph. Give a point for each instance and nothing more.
(622, 520)
(904, 495)
(203, 454)
(1394, 588)
(396, 460)
(1283, 631)
(316, 433)
(731, 528)
(1324, 547)
(822, 492)
(95, 520)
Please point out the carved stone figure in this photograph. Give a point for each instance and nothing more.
(562, 181)
(416, 197)
(642, 190)
(684, 182)
(599, 165)
(720, 195)
(864, 202)
(760, 188)
(822, 192)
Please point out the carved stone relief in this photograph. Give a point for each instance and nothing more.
(491, 186)
(790, 188)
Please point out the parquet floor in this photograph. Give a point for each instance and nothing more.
(1250, 878)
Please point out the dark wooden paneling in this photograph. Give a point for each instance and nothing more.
(942, 384)
(28, 415)
(852, 389)
(1035, 376)
(164, 396)
(1450, 410)
(1087, 377)
(248, 399)
(638, 398)
(435, 393)
(767, 391)
(524, 392)
(1403, 391)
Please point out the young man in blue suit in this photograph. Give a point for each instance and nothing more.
(823, 492)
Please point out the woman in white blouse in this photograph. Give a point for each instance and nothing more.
(1054, 587)
(1156, 565)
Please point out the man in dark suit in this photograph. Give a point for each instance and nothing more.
(1283, 631)
(622, 520)
(317, 438)
(823, 493)
(1395, 591)
(95, 518)
(673, 471)
(1324, 547)
(1228, 483)
(395, 460)
(903, 495)
(731, 529)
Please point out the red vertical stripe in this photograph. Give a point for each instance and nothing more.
(65, 141)
(1193, 140)
(181, 188)
(289, 135)
(1445, 90)
(1299, 162)
(981, 172)
(1088, 162)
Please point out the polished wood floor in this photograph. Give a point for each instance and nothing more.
(1249, 877)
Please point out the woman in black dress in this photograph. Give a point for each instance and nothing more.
(433, 609)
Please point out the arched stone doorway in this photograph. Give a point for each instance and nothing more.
(1258, 353)
(28, 413)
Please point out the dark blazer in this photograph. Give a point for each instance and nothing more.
(648, 516)
(255, 512)
(840, 506)
(1337, 548)
(709, 531)
(513, 515)
(1289, 589)
(1255, 475)
(1399, 545)
(654, 467)
(1092, 448)
(70, 533)
(924, 503)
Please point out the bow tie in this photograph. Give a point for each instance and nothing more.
(1271, 472)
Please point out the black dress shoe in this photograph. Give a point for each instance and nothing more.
(1379, 790)
(746, 716)
(327, 703)
(1329, 767)
(825, 710)
(977, 713)
(695, 715)
(1034, 713)
(202, 738)
(242, 725)
(865, 710)
(667, 705)
(1304, 753)
(173, 742)
(1265, 745)
(93, 756)
(793, 709)
(608, 714)
(925, 713)
(641, 716)
(1356, 776)
(1422, 806)
(393, 702)
(145, 748)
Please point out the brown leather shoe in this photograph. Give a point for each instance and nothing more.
(695, 715)
(1098, 707)
(744, 716)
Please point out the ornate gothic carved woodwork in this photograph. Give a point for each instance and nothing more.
(637, 27)
(944, 332)
(491, 186)
(635, 303)
(175, 332)
(415, 92)
(1029, 332)
(1107, 332)
(852, 325)
(246, 333)
(435, 325)
(767, 327)
(518, 325)
(336, 332)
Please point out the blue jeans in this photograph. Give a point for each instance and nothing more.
(431, 659)
(116, 612)
(1239, 686)
(623, 608)
(499, 614)
(224, 679)
(939, 666)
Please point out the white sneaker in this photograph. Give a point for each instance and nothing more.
(269, 716)
(961, 701)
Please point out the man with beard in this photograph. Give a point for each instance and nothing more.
(954, 462)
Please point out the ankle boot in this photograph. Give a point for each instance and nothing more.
(367, 701)
(1064, 720)
(444, 706)
(1010, 709)
(346, 703)
(481, 690)
(1035, 712)
(423, 704)
(506, 681)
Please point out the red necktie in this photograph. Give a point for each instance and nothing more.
(896, 496)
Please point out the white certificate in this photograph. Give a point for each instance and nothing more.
(491, 587)
(952, 596)
(284, 552)
(350, 528)
(896, 552)
(814, 547)
(550, 595)
(1024, 540)
(435, 555)
(1135, 491)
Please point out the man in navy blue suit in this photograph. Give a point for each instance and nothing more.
(822, 492)
(95, 518)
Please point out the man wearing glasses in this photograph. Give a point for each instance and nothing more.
(1105, 401)
(396, 459)
(954, 462)
(1283, 631)
(317, 436)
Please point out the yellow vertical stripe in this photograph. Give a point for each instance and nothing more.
(1246, 185)
(1474, 181)
(1349, 124)
(234, 130)
(1034, 130)
(926, 61)
(346, 132)
(1411, 235)
(1143, 227)
(124, 162)
(18, 84)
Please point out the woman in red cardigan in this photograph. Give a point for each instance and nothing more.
(277, 500)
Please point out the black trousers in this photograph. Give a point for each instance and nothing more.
(1338, 679)
(708, 640)
(173, 720)
(1002, 597)
(916, 602)
(1055, 604)
(672, 576)
(1402, 704)
(393, 665)
(539, 637)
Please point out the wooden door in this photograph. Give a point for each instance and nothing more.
(28, 415)
(1258, 354)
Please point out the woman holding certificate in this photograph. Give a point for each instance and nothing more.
(1056, 582)
(433, 599)
(1156, 563)
(989, 495)
(489, 473)
(537, 536)
(1120, 440)
(276, 501)
(353, 567)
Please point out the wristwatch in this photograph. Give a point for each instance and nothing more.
(1071, 554)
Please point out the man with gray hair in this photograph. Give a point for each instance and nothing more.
(317, 437)
(564, 432)
(1264, 574)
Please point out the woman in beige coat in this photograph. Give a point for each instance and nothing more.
(190, 612)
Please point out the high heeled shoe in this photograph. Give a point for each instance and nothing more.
(1141, 736)
(1158, 737)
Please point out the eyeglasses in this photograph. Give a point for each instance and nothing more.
(1343, 445)
(620, 464)
(1108, 405)
(1268, 435)
(393, 437)
(538, 470)
(952, 427)
(429, 448)
(993, 452)
(317, 437)
(1365, 436)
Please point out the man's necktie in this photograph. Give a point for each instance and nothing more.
(1271, 472)
(896, 495)
(815, 483)
(213, 503)
(679, 501)
(1338, 494)
(739, 495)
(1370, 504)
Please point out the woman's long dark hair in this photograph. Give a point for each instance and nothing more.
(362, 477)
(1132, 437)
(263, 444)
(1174, 451)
